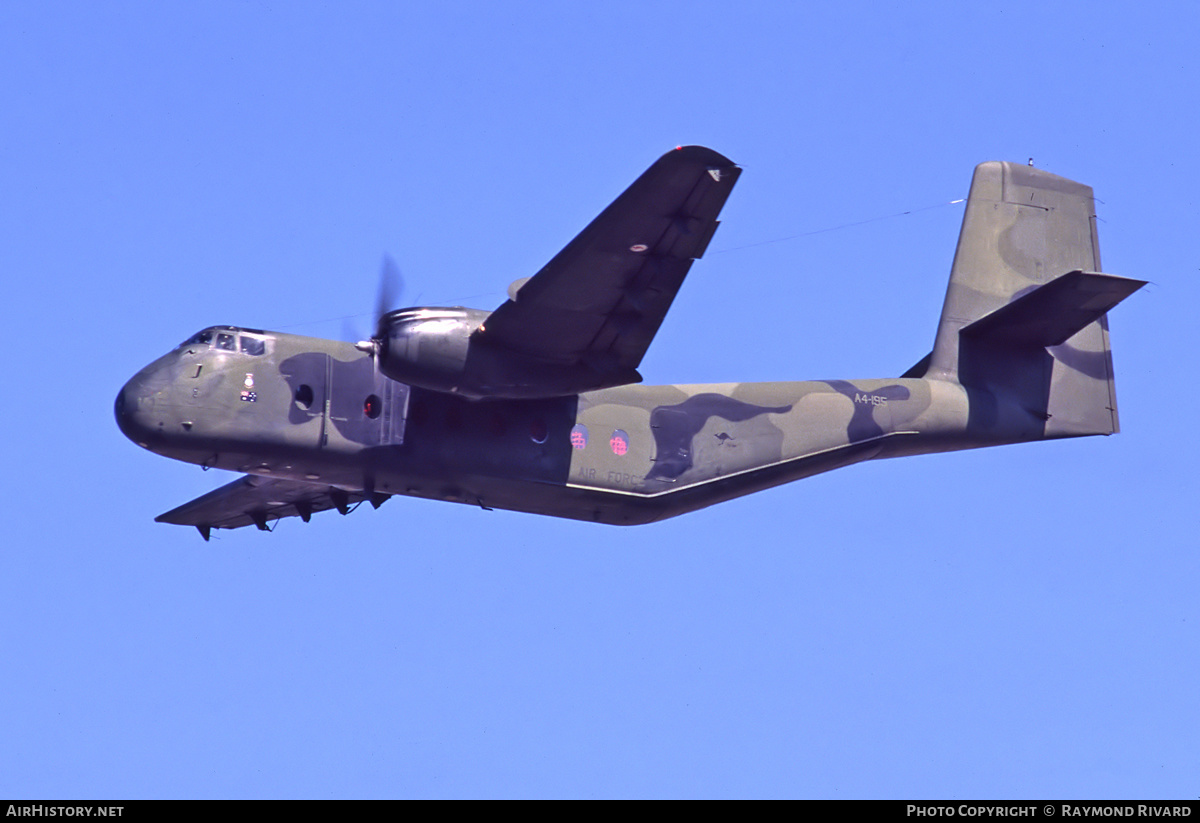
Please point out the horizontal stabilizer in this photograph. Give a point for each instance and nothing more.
(1050, 314)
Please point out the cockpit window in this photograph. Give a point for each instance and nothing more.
(227, 341)
(253, 346)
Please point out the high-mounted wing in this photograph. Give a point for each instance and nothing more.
(599, 302)
(253, 500)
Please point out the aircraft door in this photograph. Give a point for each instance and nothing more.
(365, 408)
(395, 410)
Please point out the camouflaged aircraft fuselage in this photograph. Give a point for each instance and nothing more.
(1021, 354)
(630, 454)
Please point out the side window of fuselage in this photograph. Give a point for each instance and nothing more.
(253, 346)
(227, 342)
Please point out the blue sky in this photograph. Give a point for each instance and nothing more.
(1016, 622)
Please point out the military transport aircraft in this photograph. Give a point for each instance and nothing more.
(534, 407)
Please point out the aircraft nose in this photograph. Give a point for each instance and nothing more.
(126, 412)
(132, 408)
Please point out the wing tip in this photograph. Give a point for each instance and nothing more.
(700, 154)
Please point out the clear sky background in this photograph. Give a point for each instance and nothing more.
(1015, 622)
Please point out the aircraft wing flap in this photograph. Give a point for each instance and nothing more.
(254, 501)
(604, 296)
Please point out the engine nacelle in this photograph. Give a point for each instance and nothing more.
(446, 350)
(427, 347)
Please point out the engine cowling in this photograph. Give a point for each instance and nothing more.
(446, 350)
(427, 347)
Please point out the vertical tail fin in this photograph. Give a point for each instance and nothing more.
(1024, 320)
